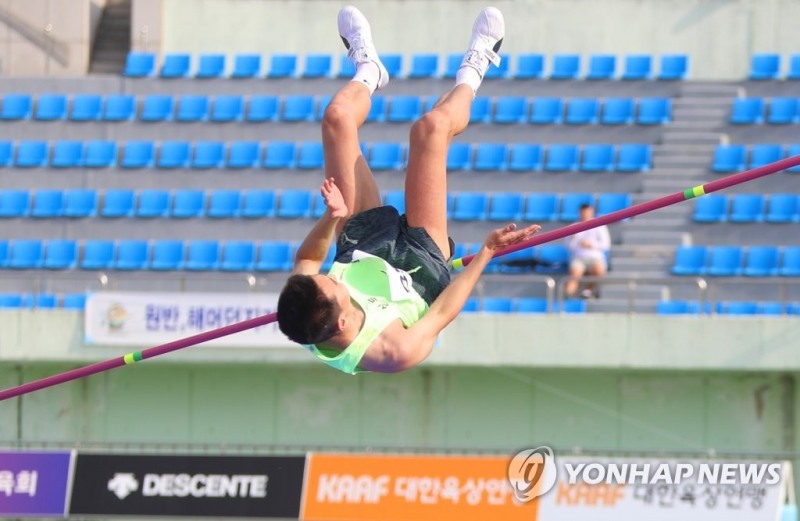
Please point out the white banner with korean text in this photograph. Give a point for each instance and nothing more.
(152, 318)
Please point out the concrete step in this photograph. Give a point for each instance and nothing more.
(716, 114)
(692, 137)
(649, 236)
(695, 125)
(604, 305)
(669, 186)
(672, 161)
(642, 252)
(676, 224)
(672, 148)
(638, 291)
(710, 89)
(703, 102)
(633, 264)
(683, 172)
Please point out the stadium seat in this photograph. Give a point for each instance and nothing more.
(597, 158)
(737, 308)
(711, 208)
(790, 262)
(100, 154)
(188, 203)
(243, 154)
(139, 64)
(246, 66)
(725, 261)
(226, 108)
(783, 110)
(202, 256)
(167, 255)
(565, 67)
(208, 154)
(4, 246)
(16, 107)
(747, 111)
(494, 72)
(258, 203)
(769, 308)
(386, 156)
(582, 111)
(633, 158)
(224, 204)
(25, 254)
(39, 301)
(490, 156)
(317, 66)
(674, 67)
(322, 106)
(14, 203)
(174, 154)
(298, 108)
(793, 150)
(470, 206)
(60, 255)
(637, 67)
(192, 108)
(393, 63)
(262, 108)
(238, 256)
(424, 65)
(783, 208)
(175, 65)
(729, 158)
(524, 157)
(31, 154)
(571, 205)
(119, 107)
(10, 301)
(377, 111)
(481, 110)
(279, 154)
(612, 202)
(496, 305)
(572, 306)
(561, 158)
(86, 107)
(97, 255)
(763, 154)
(690, 260)
(118, 203)
(132, 255)
(541, 207)
(794, 67)
(318, 206)
(761, 261)
(396, 198)
(6, 153)
(156, 107)
(510, 109)
(274, 256)
(153, 203)
(747, 208)
(654, 111)
(346, 68)
(210, 66)
(602, 67)
(765, 66)
(452, 64)
(677, 307)
(506, 206)
(67, 154)
(459, 156)
(529, 66)
(310, 155)
(294, 204)
(551, 258)
(472, 305)
(404, 109)
(617, 111)
(531, 305)
(74, 301)
(47, 204)
(80, 203)
(547, 111)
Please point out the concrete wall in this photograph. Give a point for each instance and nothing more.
(147, 25)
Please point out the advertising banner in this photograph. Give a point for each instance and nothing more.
(34, 483)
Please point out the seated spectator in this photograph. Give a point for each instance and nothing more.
(587, 251)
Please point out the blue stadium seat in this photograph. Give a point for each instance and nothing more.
(617, 111)
(10, 300)
(74, 301)
(298, 108)
(238, 256)
(25, 254)
(471, 305)
(725, 261)
(396, 198)
(783, 110)
(31, 154)
(497, 305)
(633, 157)
(282, 66)
(192, 108)
(224, 203)
(100, 154)
(210, 66)
(377, 111)
(490, 156)
(612, 202)
(790, 262)
(262, 108)
(167, 255)
(327, 263)
(157, 107)
(729, 158)
(794, 67)
(547, 111)
(582, 111)
(60, 255)
(637, 67)
(295, 204)
(565, 67)
(175, 65)
(208, 154)
(765, 153)
(346, 68)
(541, 207)
(524, 157)
(118, 203)
(97, 255)
(772, 308)
(690, 260)
(747, 208)
(274, 256)
(47, 204)
(243, 154)
(494, 72)
(132, 255)
(424, 65)
(50, 107)
(765, 66)
(67, 154)
(310, 155)
(174, 154)
(258, 203)
(139, 64)
(459, 156)
(452, 64)
(188, 203)
(551, 258)
(80, 203)
(246, 66)
(571, 205)
(762, 261)
(153, 203)
(597, 158)
(404, 109)
(737, 308)
(317, 66)
(14, 203)
(510, 109)
(202, 256)
(322, 106)
(279, 154)
(529, 66)
(16, 107)
(318, 206)
(602, 67)
(86, 107)
(6, 153)
(386, 156)
(793, 150)
(674, 67)
(572, 306)
(531, 305)
(654, 111)
(393, 63)
(227, 108)
(783, 208)
(747, 111)
(677, 307)
(506, 206)
(470, 206)
(481, 110)
(4, 245)
(119, 107)
(39, 300)
(712, 208)
(561, 158)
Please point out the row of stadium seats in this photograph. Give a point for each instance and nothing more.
(292, 108)
(220, 204)
(629, 157)
(684, 307)
(75, 301)
(734, 158)
(768, 66)
(782, 111)
(747, 208)
(732, 261)
(527, 66)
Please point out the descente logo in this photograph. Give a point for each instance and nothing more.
(185, 485)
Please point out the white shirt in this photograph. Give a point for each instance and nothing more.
(599, 238)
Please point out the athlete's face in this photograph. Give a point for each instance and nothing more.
(334, 290)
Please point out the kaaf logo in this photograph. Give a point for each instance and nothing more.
(532, 472)
(123, 484)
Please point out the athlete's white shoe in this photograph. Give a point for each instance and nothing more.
(357, 37)
(487, 36)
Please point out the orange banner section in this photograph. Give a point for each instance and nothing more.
(351, 487)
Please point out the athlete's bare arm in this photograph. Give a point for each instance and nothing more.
(313, 250)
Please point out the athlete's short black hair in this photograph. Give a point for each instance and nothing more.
(305, 314)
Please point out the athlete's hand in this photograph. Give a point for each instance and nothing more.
(509, 235)
(333, 199)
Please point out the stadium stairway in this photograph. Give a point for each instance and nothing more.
(113, 38)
